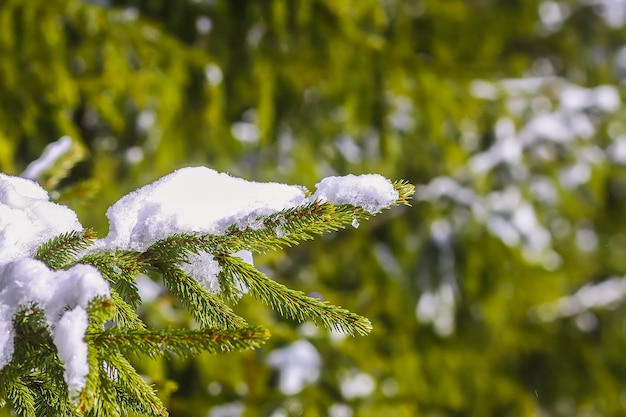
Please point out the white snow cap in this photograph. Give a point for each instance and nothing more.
(199, 199)
(371, 192)
(196, 199)
(28, 218)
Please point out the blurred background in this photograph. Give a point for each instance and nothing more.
(499, 293)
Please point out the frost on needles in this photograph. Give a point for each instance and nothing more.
(68, 299)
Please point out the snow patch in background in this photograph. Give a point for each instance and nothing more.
(607, 294)
(298, 365)
(340, 410)
(148, 289)
(357, 384)
(48, 158)
(234, 409)
(549, 119)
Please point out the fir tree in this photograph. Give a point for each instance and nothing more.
(43, 375)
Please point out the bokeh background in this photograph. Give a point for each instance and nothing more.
(499, 293)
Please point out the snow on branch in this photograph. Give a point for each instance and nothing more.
(197, 228)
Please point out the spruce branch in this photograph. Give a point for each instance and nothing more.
(125, 316)
(20, 396)
(282, 229)
(132, 392)
(34, 382)
(89, 400)
(181, 342)
(105, 402)
(176, 249)
(33, 343)
(120, 269)
(51, 397)
(405, 191)
(285, 228)
(62, 249)
(207, 308)
(294, 304)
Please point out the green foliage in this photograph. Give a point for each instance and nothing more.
(355, 86)
(60, 251)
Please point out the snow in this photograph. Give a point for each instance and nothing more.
(371, 192)
(357, 384)
(48, 158)
(28, 218)
(340, 410)
(205, 269)
(438, 307)
(189, 200)
(199, 199)
(551, 123)
(298, 364)
(148, 289)
(234, 409)
(68, 336)
(612, 11)
(606, 294)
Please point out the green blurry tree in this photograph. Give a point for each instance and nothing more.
(500, 293)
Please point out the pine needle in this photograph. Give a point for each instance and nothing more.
(294, 304)
(181, 342)
(62, 249)
(206, 308)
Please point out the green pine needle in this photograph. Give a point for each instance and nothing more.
(207, 308)
(120, 269)
(125, 316)
(181, 342)
(294, 304)
(132, 392)
(405, 192)
(62, 249)
(21, 397)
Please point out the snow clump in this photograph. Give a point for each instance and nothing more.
(371, 192)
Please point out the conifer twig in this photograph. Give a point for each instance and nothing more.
(206, 308)
(294, 304)
(181, 342)
(120, 268)
(60, 250)
(132, 392)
